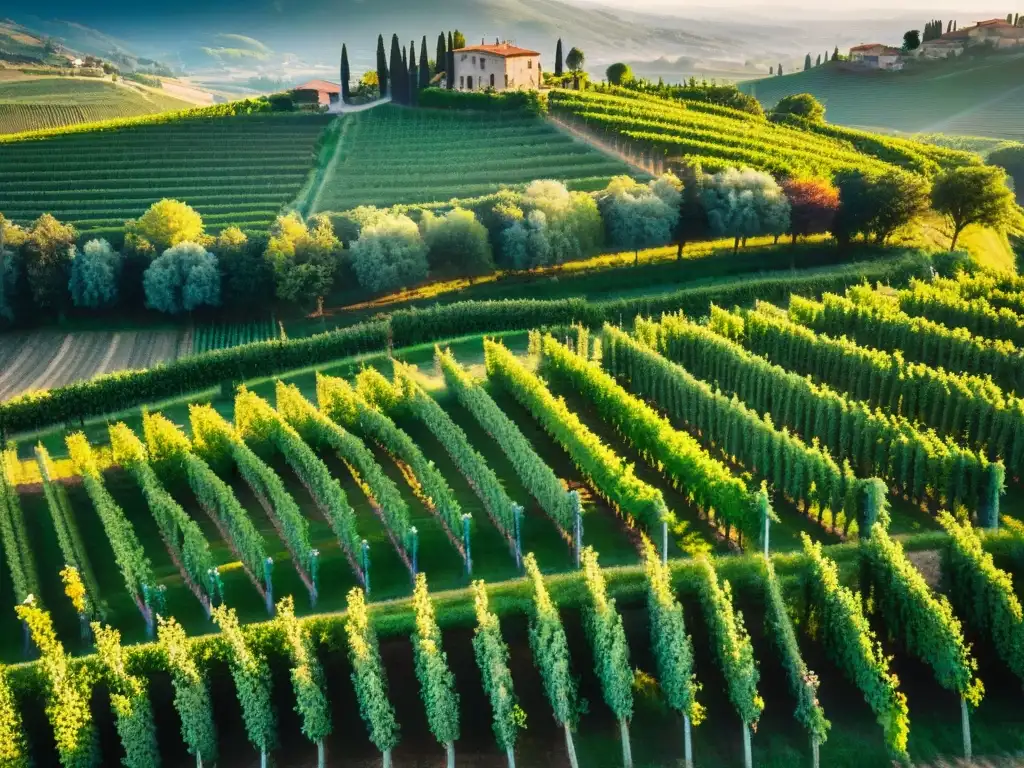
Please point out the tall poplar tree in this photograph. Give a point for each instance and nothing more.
(382, 66)
(424, 65)
(558, 58)
(399, 78)
(345, 74)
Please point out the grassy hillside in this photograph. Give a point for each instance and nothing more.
(982, 97)
(391, 155)
(51, 102)
(234, 170)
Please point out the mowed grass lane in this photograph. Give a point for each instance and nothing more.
(234, 170)
(980, 98)
(51, 102)
(390, 155)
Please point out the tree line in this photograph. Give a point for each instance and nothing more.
(167, 261)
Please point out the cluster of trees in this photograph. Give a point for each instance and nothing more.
(398, 73)
(722, 95)
(810, 64)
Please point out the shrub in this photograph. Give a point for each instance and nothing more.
(530, 102)
(390, 254)
(183, 278)
(802, 105)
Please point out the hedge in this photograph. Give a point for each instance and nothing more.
(406, 327)
(530, 102)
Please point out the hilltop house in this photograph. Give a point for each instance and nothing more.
(501, 66)
(319, 92)
(996, 32)
(877, 56)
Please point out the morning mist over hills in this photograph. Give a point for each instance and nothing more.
(658, 38)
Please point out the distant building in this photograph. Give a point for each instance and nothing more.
(502, 66)
(942, 47)
(76, 63)
(319, 92)
(998, 33)
(877, 56)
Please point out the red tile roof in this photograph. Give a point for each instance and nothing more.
(886, 50)
(502, 49)
(994, 23)
(319, 85)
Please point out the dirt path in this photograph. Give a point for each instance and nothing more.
(332, 164)
(640, 165)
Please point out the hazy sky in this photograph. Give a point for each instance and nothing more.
(820, 9)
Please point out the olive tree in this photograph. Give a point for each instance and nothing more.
(640, 215)
(95, 272)
(183, 278)
(744, 203)
(390, 254)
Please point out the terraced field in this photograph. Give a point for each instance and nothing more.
(51, 102)
(34, 360)
(983, 97)
(234, 170)
(391, 155)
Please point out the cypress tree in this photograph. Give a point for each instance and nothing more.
(441, 55)
(414, 77)
(780, 70)
(835, 54)
(807, 62)
(382, 66)
(345, 74)
(424, 65)
(399, 77)
(819, 61)
(405, 59)
(558, 58)
(450, 62)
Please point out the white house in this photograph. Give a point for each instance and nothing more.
(501, 66)
(998, 33)
(877, 56)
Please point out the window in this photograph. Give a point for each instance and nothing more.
(506, 80)
(474, 61)
(462, 81)
(529, 63)
(483, 63)
(463, 57)
(469, 82)
(492, 81)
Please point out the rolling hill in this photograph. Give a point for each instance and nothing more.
(50, 102)
(981, 97)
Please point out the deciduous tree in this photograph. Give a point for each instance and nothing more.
(574, 60)
(640, 216)
(745, 203)
(458, 243)
(876, 204)
(167, 223)
(304, 258)
(911, 40)
(973, 195)
(619, 73)
(47, 257)
(813, 204)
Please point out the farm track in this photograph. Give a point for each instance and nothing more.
(48, 359)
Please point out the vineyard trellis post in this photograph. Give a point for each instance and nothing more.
(365, 551)
(415, 534)
(314, 567)
(687, 741)
(517, 522)
(268, 570)
(577, 523)
(965, 727)
(465, 538)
